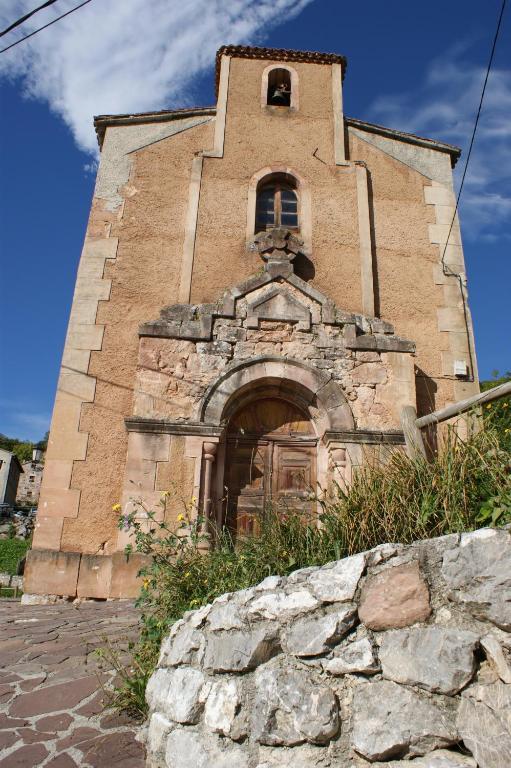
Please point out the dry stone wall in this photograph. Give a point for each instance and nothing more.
(400, 655)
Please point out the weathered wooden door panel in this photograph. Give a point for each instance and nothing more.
(270, 460)
(248, 475)
(294, 475)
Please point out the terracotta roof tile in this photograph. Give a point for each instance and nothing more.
(277, 54)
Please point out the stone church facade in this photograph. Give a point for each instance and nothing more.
(263, 286)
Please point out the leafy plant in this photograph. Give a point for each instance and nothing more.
(11, 552)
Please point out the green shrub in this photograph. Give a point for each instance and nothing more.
(11, 552)
(468, 484)
(498, 413)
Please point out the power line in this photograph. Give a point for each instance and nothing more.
(26, 16)
(490, 62)
(447, 271)
(45, 26)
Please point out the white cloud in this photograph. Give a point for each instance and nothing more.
(134, 55)
(444, 106)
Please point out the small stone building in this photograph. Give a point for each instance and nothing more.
(10, 471)
(264, 285)
(29, 485)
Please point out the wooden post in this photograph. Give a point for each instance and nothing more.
(413, 437)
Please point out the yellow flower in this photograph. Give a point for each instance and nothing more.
(505, 405)
(489, 405)
(145, 582)
(180, 518)
(507, 430)
(116, 508)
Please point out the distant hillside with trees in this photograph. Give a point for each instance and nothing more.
(22, 448)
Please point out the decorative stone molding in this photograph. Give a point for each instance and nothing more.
(333, 665)
(280, 306)
(317, 385)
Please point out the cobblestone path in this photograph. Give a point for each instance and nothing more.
(51, 700)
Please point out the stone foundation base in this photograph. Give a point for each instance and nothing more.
(72, 574)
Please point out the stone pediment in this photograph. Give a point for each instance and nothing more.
(279, 305)
(276, 294)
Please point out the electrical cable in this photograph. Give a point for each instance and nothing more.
(445, 268)
(475, 126)
(45, 26)
(26, 16)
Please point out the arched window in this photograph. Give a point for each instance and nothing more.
(279, 88)
(277, 203)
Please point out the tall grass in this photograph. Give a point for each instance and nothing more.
(400, 500)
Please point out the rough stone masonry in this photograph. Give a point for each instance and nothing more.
(396, 656)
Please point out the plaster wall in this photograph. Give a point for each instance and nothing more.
(257, 137)
(139, 206)
(407, 248)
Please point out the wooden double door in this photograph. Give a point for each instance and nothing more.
(271, 460)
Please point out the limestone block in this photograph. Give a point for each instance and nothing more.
(369, 373)
(440, 758)
(495, 655)
(391, 721)
(439, 196)
(315, 634)
(182, 646)
(222, 706)
(336, 582)
(47, 531)
(396, 597)
(484, 724)
(282, 605)
(140, 474)
(57, 473)
(478, 575)
(147, 446)
(291, 708)
(77, 385)
(94, 576)
(350, 658)
(59, 502)
(177, 693)
(83, 311)
(51, 573)
(240, 651)
(438, 234)
(437, 659)
(304, 756)
(187, 749)
(451, 319)
(93, 288)
(159, 729)
(76, 360)
(225, 616)
(125, 581)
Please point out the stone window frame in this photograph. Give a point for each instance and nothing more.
(295, 81)
(304, 203)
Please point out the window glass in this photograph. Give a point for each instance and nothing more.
(277, 205)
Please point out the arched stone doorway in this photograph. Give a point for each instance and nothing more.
(270, 460)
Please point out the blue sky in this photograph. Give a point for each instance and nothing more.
(411, 66)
